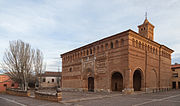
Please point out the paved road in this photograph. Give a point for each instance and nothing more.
(9, 100)
(5, 102)
(170, 98)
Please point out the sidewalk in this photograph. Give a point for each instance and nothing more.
(68, 97)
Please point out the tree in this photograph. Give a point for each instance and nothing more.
(38, 66)
(21, 62)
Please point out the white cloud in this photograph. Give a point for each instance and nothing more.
(57, 26)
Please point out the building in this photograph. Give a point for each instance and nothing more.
(175, 76)
(50, 79)
(6, 82)
(127, 62)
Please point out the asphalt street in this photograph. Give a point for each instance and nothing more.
(166, 98)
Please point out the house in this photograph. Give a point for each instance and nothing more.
(50, 79)
(175, 76)
(6, 82)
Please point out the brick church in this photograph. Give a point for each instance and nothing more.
(125, 62)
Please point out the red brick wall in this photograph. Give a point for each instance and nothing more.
(4, 79)
(153, 63)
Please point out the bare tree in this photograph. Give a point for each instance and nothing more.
(39, 67)
(19, 62)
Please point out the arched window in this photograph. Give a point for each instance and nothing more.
(122, 42)
(143, 46)
(153, 50)
(148, 47)
(156, 51)
(97, 48)
(112, 46)
(102, 47)
(137, 43)
(133, 42)
(75, 55)
(117, 43)
(90, 51)
(87, 52)
(70, 69)
(84, 53)
(94, 49)
(71, 57)
(106, 46)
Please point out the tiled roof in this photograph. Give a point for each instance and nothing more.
(175, 66)
(51, 74)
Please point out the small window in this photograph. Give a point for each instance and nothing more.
(106, 46)
(97, 48)
(84, 53)
(144, 28)
(94, 49)
(133, 42)
(90, 51)
(78, 55)
(70, 70)
(175, 74)
(153, 50)
(139, 44)
(48, 81)
(44, 79)
(52, 80)
(136, 43)
(112, 46)
(5, 85)
(87, 52)
(173, 69)
(143, 46)
(122, 42)
(12, 85)
(156, 51)
(102, 47)
(117, 43)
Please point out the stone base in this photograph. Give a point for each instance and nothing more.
(55, 97)
(85, 90)
(18, 92)
(128, 91)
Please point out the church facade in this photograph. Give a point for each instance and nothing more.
(126, 62)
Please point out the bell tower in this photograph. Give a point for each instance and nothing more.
(146, 29)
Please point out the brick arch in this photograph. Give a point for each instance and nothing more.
(137, 44)
(140, 44)
(133, 42)
(138, 79)
(117, 81)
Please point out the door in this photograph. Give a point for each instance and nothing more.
(91, 84)
(173, 85)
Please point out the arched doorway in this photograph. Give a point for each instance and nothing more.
(91, 84)
(137, 80)
(117, 82)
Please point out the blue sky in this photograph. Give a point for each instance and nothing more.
(58, 26)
